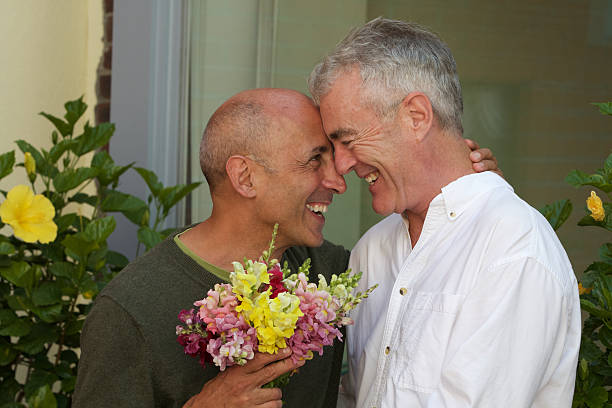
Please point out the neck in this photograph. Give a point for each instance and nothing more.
(227, 237)
(445, 158)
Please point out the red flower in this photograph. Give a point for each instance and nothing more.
(276, 281)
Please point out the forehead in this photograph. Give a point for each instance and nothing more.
(342, 109)
(298, 137)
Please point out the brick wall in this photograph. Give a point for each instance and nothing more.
(103, 83)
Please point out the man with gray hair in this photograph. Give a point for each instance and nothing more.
(477, 302)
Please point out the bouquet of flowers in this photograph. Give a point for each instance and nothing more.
(266, 308)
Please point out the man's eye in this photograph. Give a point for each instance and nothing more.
(347, 142)
(315, 159)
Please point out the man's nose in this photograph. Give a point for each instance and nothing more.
(344, 160)
(334, 181)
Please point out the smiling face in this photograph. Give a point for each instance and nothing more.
(298, 191)
(380, 152)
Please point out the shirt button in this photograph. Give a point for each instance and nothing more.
(387, 350)
(403, 291)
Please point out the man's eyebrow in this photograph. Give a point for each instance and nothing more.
(319, 149)
(342, 132)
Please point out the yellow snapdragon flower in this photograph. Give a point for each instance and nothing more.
(30, 216)
(595, 206)
(274, 320)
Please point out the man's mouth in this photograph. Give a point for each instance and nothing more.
(372, 177)
(317, 208)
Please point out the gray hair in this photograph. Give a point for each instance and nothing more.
(395, 58)
(237, 127)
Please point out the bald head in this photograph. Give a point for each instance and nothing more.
(247, 124)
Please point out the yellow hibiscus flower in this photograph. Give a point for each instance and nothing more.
(31, 216)
(595, 206)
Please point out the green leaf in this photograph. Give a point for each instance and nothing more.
(59, 149)
(88, 287)
(68, 384)
(9, 388)
(588, 221)
(578, 178)
(596, 397)
(63, 269)
(6, 248)
(63, 222)
(74, 110)
(19, 274)
(149, 237)
(172, 195)
(64, 128)
(605, 252)
(71, 178)
(42, 398)
(605, 108)
(108, 172)
(48, 293)
(18, 328)
(100, 229)
(7, 352)
(132, 207)
(557, 212)
(49, 314)
(79, 245)
(117, 259)
(93, 138)
(151, 179)
(121, 202)
(69, 356)
(7, 162)
(594, 310)
(41, 334)
(83, 198)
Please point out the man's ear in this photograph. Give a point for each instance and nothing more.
(240, 173)
(416, 114)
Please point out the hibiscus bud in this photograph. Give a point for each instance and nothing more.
(30, 166)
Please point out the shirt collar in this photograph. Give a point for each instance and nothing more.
(457, 196)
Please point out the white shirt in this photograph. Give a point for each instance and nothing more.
(482, 312)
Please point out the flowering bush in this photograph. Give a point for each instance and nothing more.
(594, 375)
(54, 258)
(267, 308)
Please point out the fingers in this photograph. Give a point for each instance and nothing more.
(482, 154)
(485, 165)
(275, 370)
(271, 404)
(265, 395)
(260, 360)
(472, 144)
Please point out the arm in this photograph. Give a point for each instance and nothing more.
(482, 159)
(113, 368)
(514, 343)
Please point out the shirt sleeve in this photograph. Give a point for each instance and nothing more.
(114, 369)
(515, 341)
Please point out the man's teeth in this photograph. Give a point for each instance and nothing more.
(317, 208)
(372, 177)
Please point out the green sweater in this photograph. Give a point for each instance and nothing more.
(130, 356)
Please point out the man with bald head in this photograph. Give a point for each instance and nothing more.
(267, 161)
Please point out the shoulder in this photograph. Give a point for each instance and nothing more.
(519, 231)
